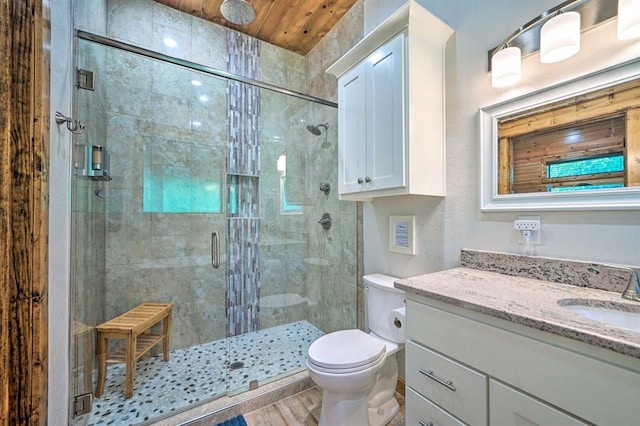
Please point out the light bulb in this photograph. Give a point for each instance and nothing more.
(560, 38)
(628, 19)
(506, 67)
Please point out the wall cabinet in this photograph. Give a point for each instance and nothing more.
(462, 366)
(391, 108)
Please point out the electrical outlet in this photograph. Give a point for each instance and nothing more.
(530, 226)
(526, 225)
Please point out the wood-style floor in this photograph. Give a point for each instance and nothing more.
(301, 409)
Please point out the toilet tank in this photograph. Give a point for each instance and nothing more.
(382, 297)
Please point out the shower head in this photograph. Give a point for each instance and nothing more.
(238, 12)
(315, 130)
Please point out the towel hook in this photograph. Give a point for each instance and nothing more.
(74, 126)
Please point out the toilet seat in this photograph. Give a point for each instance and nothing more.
(345, 351)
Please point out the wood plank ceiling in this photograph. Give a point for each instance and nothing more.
(295, 25)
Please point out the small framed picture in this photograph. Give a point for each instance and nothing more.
(401, 234)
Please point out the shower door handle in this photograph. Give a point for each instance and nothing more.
(215, 250)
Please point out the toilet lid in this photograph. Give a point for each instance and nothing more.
(345, 349)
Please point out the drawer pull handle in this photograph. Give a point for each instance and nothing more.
(446, 383)
(421, 423)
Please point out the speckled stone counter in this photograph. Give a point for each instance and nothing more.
(531, 302)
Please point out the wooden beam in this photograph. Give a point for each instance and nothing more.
(23, 212)
(505, 166)
(5, 206)
(613, 102)
(632, 156)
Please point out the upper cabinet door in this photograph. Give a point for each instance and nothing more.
(352, 130)
(391, 108)
(385, 116)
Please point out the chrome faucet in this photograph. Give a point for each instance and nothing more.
(632, 291)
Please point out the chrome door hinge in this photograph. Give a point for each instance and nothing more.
(84, 79)
(82, 404)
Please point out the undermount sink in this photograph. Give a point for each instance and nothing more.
(621, 315)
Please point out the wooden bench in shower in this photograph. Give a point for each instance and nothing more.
(133, 326)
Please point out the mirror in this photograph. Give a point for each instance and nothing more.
(575, 146)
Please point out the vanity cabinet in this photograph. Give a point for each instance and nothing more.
(391, 108)
(463, 366)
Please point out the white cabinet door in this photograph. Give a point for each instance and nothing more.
(386, 116)
(352, 130)
(510, 407)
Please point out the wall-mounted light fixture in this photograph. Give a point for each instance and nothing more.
(556, 34)
(628, 19)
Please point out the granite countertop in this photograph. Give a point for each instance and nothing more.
(529, 302)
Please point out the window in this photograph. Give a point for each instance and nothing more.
(586, 166)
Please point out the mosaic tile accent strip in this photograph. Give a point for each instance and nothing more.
(242, 193)
(581, 274)
(201, 373)
(243, 106)
(243, 275)
(243, 167)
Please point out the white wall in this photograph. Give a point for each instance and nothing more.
(444, 226)
(59, 216)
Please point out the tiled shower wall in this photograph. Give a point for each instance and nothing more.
(306, 272)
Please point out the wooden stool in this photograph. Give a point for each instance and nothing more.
(131, 326)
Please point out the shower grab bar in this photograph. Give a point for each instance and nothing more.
(215, 250)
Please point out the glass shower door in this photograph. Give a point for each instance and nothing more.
(149, 225)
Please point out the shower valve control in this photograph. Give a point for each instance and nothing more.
(326, 188)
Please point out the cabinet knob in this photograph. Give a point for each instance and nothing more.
(360, 181)
(367, 179)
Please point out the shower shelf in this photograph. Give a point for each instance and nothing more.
(242, 175)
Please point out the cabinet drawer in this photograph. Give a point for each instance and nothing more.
(454, 387)
(422, 412)
(511, 407)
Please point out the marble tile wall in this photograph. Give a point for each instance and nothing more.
(346, 34)
(335, 256)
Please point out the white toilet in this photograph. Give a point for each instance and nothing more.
(356, 371)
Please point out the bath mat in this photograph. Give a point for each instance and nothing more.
(236, 421)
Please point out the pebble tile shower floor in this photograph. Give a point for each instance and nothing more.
(201, 373)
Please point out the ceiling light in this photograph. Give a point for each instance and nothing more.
(628, 19)
(238, 12)
(196, 83)
(560, 37)
(203, 98)
(506, 67)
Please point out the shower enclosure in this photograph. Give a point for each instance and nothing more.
(203, 191)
